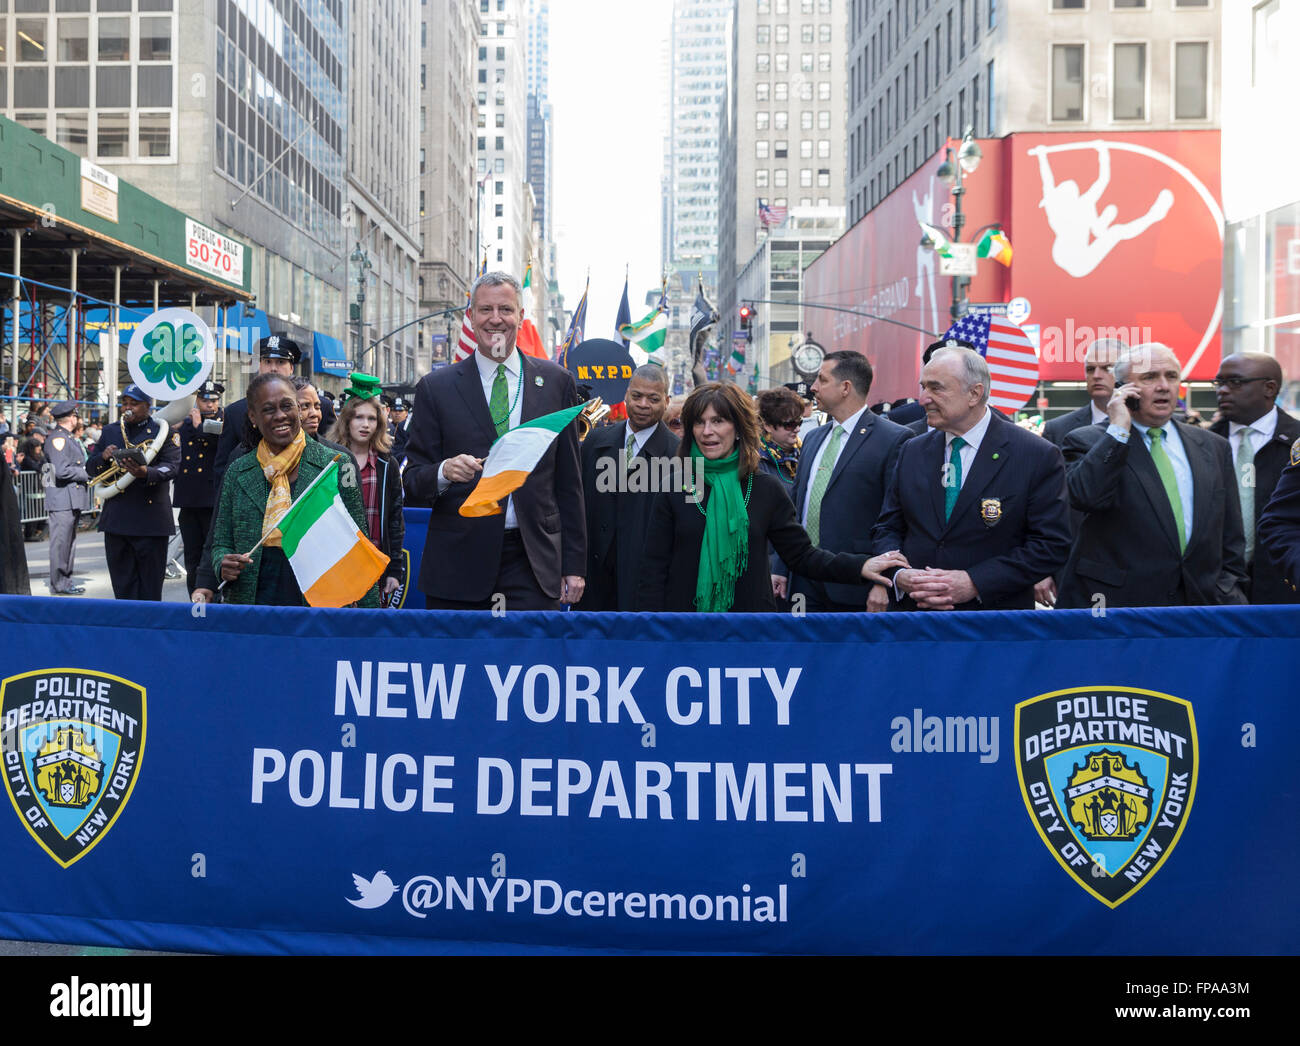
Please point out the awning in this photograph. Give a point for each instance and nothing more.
(329, 356)
(243, 331)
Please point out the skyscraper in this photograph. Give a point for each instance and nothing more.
(448, 201)
(385, 158)
(782, 132)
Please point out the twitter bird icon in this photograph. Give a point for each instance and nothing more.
(374, 892)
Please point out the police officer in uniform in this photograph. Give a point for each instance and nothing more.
(195, 489)
(1279, 525)
(399, 427)
(66, 496)
(137, 522)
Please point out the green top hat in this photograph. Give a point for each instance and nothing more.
(363, 387)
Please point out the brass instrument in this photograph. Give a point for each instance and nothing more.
(115, 479)
(592, 415)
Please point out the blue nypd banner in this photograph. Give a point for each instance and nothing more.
(271, 780)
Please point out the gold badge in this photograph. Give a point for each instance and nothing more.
(1295, 452)
(990, 511)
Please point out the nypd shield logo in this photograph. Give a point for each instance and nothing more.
(72, 741)
(1108, 775)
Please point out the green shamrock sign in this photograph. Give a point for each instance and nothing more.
(173, 354)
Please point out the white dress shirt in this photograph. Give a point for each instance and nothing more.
(641, 438)
(850, 424)
(487, 372)
(1261, 431)
(973, 436)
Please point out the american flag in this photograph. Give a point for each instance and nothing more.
(467, 343)
(1013, 363)
(774, 215)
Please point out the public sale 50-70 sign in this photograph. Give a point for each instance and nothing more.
(209, 251)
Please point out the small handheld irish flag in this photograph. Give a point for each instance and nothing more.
(335, 563)
(512, 459)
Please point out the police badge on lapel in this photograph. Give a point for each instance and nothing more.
(990, 511)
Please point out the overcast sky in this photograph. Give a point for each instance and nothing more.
(609, 94)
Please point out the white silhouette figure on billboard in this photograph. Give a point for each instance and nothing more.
(1085, 237)
(924, 209)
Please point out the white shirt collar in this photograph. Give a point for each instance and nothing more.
(974, 436)
(851, 422)
(487, 369)
(1265, 426)
(642, 436)
(1098, 415)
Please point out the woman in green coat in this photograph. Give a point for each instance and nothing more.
(256, 491)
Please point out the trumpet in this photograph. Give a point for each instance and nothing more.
(592, 415)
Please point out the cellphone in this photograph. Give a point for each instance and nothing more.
(1132, 402)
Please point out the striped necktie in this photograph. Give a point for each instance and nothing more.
(1166, 469)
(1246, 487)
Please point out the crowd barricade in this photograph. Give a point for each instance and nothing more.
(244, 779)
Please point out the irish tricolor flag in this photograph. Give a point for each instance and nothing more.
(335, 563)
(512, 459)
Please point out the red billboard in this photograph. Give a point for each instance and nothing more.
(1115, 235)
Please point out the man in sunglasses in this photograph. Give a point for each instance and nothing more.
(1261, 435)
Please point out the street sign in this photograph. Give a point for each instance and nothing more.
(962, 261)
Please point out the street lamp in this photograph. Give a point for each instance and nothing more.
(361, 260)
(952, 174)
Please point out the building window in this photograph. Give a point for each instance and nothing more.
(1067, 82)
(1129, 83)
(763, 62)
(824, 91)
(762, 92)
(760, 120)
(782, 34)
(781, 178)
(823, 149)
(783, 63)
(781, 121)
(781, 150)
(824, 34)
(805, 177)
(805, 34)
(824, 62)
(824, 120)
(781, 92)
(762, 149)
(1191, 65)
(988, 123)
(764, 34)
(1067, 5)
(761, 178)
(806, 149)
(1119, 4)
(806, 62)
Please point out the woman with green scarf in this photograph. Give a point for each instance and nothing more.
(706, 545)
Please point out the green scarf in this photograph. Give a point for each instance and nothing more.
(724, 551)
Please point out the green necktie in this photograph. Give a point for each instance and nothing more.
(499, 403)
(820, 482)
(952, 481)
(1246, 488)
(631, 446)
(1166, 469)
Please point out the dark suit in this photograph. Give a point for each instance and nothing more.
(66, 498)
(463, 556)
(1058, 428)
(851, 503)
(1279, 524)
(1266, 584)
(137, 522)
(1008, 529)
(195, 492)
(918, 428)
(1128, 549)
(670, 566)
(617, 519)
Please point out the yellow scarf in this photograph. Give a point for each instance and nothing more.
(276, 468)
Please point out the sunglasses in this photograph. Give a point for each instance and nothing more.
(789, 426)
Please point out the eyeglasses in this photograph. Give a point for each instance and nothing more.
(789, 426)
(675, 423)
(1235, 382)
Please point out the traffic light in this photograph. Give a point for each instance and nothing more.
(746, 317)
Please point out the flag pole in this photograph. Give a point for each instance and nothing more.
(310, 486)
